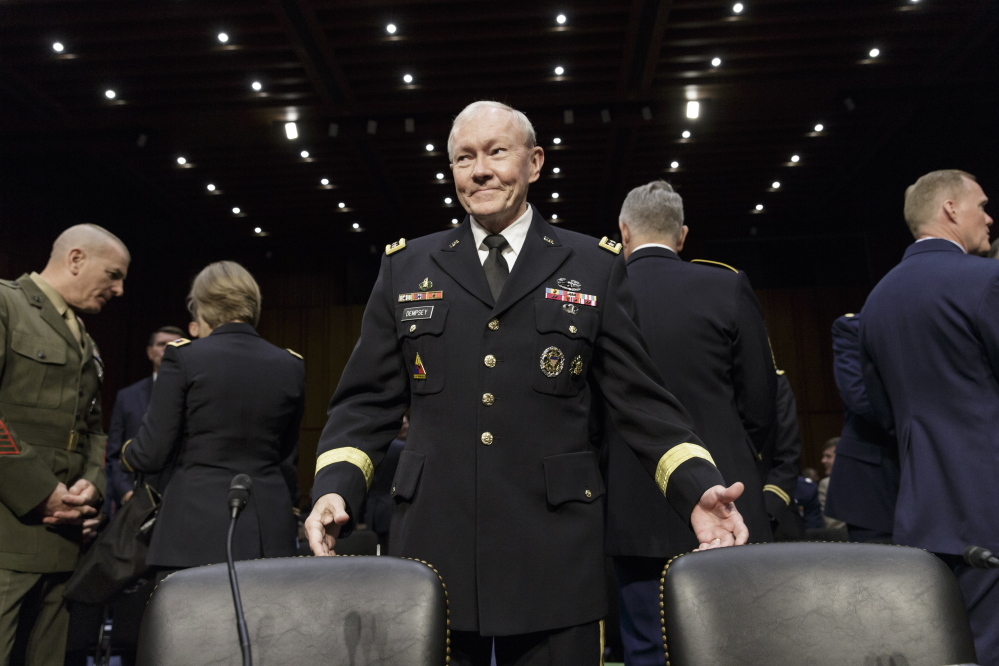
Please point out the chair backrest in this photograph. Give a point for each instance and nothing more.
(300, 610)
(786, 604)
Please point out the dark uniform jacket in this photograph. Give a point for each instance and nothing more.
(130, 407)
(930, 352)
(705, 331)
(863, 485)
(499, 486)
(50, 425)
(227, 404)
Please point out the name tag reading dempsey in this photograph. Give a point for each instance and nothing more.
(570, 296)
(426, 312)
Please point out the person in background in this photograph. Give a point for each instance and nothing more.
(130, 406)
(828, 460)
(228, 403)
(51, 438)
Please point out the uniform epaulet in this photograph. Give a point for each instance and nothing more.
(12, 284)
(295, 353)
(392, 248)
(708, 262)
(179, 342)
(610, 246)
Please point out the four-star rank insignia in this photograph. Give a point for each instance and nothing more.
(552, 361)
(419, 372)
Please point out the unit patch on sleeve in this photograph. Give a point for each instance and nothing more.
(419, 372)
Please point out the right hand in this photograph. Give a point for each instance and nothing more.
(55, 511)
(323, 524)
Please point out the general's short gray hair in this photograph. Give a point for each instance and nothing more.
(653, 209)
(530, 137)
(923, 198)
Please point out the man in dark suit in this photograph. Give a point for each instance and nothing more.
(498, 341)
(130, 406)
(863, 485)
(705, 332)
(930, 353)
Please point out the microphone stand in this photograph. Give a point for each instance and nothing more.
(244, 635)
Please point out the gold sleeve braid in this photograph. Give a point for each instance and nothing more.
(123, 461)
(778, 492)
(675, 457)
(351, 455)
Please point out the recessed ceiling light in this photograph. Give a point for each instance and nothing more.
(715, 62)
(324, 181)
(686, 134)
(430, 147)
(390, 28)
(181, 160)
(210, 187)
(560, 19)
(110, 94)
(554, 195)
(795, 158)
(819, 127)
(738, 7)
(408, 78)
(341, 205)
(556, 170)
(554, 216)
(559, 71)
(447, 200)
(355, 226)
(674, 164)
(291, 131)
(440, 176)
(304, 154)
(58, 47)
(235, 210)
(693, 109)
(775, 184)
(874, 53)
(223, 37)
(257, 230)
(759, 206)
(256, 85)
(556, 141)
(454, 220)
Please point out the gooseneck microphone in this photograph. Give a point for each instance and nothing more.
(980, 558)
(239, 493)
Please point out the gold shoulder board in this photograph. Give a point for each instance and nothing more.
(295, 353)
(396, 246)
(610, 245)
(849, 314)
(713, 263)
(180, 342)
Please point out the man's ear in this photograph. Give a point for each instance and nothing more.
(75, 260)
(681, 238)
(625, 233)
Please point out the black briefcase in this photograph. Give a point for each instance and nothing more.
(117, 558)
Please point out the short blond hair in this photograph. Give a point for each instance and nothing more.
(466, 114)
(223, 292)
(923, 198)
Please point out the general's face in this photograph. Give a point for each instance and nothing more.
(972, 220)
(492, 168)
(100, 278)
(155, 350)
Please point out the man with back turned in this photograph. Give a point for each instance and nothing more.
(930, 354)
(51, 438)
(497, 334)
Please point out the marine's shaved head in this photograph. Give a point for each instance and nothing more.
(88, 237)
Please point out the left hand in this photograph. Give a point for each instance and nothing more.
(84, 497)
(91, 526)
(716, 521)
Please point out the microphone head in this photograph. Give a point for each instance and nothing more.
(241, 481)
(239, 491)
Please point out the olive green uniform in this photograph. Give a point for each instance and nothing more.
(50, 432)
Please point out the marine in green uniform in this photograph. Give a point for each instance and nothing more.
(51, 439)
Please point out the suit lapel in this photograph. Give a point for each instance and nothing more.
(540, 257)
(459, 258)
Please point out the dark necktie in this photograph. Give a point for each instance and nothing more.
(497, 270)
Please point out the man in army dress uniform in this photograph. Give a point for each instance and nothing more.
(51, 439)
(500, 342)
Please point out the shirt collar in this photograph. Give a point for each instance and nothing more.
(515, 234)
(50, 293)
(645, 245)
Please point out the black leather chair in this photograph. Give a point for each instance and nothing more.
(823, 604)
(300, 610)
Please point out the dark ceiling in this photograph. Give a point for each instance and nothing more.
(926, 101)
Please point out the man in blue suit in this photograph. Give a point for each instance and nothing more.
(930, 352)
(864, 483)
(129, 407)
